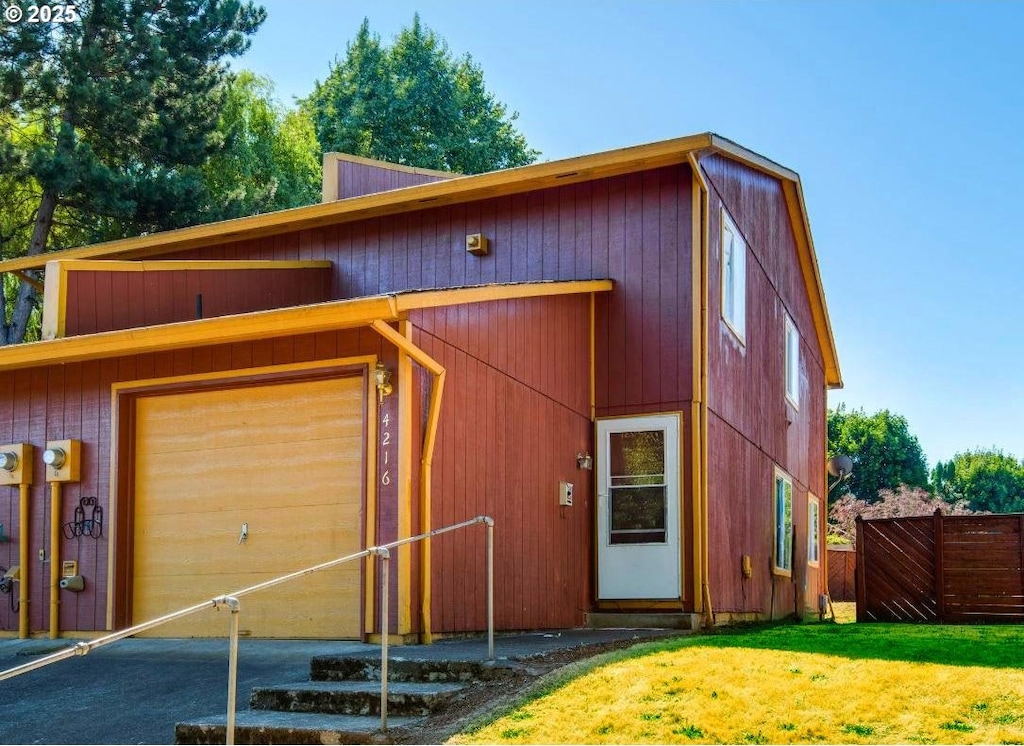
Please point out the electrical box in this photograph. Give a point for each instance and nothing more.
(63, 459)
(477, 245)
(16, 464)
(565, 493)
(68, 568)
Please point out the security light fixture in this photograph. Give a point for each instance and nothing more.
(584, 461)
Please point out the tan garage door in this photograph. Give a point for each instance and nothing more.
(286, 460)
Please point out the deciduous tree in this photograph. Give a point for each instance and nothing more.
(885, 454)
(988, 480)
(271, 158)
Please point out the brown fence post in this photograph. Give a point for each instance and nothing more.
(859, 573)
(940, 595)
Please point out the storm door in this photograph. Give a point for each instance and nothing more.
(638, 508)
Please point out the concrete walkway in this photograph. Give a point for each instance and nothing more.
(135, 690)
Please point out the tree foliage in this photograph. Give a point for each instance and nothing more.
(106, 122)
(271, 157)
(988, 480)
(885, 454)
(413, 103)
(899, 503)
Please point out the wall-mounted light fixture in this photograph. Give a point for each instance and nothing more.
(477, 244)
(382, 380)
(584, 461)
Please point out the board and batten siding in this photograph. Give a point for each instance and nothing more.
(635, 230)
(100, 301)
(752, 427)
(74, 401)
(516, 413)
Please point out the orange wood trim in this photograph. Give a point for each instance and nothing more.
(702, 602)
(435, 194)
(482, 293)
(266, 373)
(371, 413)
(812, 281)
(149, 265)
(593, 357)
(362, 161)
(405, 435)
(221, 330)
(55, 300)
(330, 189)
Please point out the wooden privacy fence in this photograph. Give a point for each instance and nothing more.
(941, 569)
(842, 561)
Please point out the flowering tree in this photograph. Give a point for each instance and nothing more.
(904, 501)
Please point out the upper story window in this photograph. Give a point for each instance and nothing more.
(734, 277)
(792, 365)
(782, 553)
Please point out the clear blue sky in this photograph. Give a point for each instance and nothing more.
(905, 122)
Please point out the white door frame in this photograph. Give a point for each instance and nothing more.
(642, 570)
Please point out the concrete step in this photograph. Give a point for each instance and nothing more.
(348, 668)
(652, 620)
(355, 697)
(268, 726)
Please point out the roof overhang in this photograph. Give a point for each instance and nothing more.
(463, 189)
(320, 317)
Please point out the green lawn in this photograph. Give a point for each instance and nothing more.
(792, 683)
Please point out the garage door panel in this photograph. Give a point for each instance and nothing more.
(286, 459)
(260, 476)
(168, 424)
(214, 541)
(321, 605)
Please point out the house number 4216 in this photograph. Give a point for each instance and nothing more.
(385, 443)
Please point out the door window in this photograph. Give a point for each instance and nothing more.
(637, 489)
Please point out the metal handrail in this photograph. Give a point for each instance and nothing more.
(232, 604)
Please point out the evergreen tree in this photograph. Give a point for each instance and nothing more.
(413, 103)
(108, 119)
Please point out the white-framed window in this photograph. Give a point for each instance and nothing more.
(813, 531)
(782, 553)
(734, 277)
(792, 364)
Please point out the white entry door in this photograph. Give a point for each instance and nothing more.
(638, 508)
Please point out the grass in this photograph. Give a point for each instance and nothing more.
(795, 683)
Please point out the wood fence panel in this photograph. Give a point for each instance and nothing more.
(842, 564)
(941, 568)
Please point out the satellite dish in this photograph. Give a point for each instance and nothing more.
(840, 466)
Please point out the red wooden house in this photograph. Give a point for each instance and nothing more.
(653, 313)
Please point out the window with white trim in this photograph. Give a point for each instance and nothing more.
(813, 530)
(782, 553)
(734, 277)
(792, 365)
